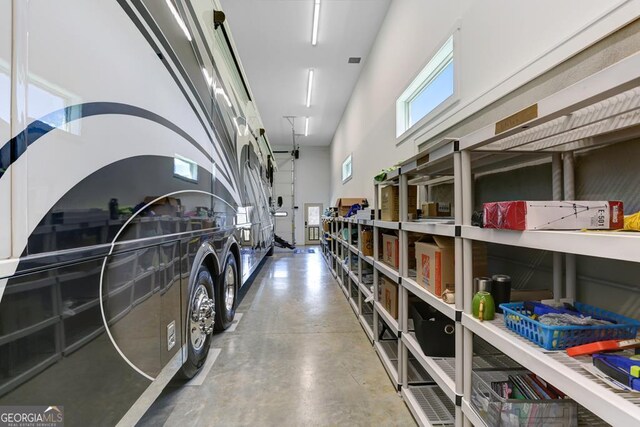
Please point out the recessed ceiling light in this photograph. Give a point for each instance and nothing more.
(316, 17)
(207, 77)
(354, 60)
(178, 19)
(309, 86)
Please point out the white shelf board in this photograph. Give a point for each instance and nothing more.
(344, 290)
(390, 321)
(365, 290)
(368, 222)
(611, 245)
(354, 277)
(437, 228)
(564, 372)
(391, 225)
(599, 86)
(353, 249)
(419, 405)
(444, 381)
(472, 415)
(354, 306)
(366, 327)
(412, 286)
(367, 258)
(387, 271)
(389, 366)
(344, 266)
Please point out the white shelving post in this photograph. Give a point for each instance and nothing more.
(403, 295)
(466, 184)
(459, 287)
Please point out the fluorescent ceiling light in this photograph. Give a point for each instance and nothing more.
(235, 122)
(316, 17)
(221, 91)
(306, 126)
(309, 88)
(181, 23)
(207, 77)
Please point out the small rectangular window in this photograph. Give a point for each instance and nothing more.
(429, 90)
(185, 168)
(347, 172)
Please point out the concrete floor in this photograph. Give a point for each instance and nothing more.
(298, 357)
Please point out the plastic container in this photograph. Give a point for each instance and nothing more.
(517, 319)
(497, 411)
(435, 332)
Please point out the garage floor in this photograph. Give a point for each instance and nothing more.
(298, 357)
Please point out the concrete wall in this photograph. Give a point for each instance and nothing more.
(500, 47)
(312, 185)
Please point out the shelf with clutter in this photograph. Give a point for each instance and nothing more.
(521, 237)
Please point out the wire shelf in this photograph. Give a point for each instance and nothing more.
(435, 404)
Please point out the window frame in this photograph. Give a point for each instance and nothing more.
(348, 159)
(446, 54)
(193, 166)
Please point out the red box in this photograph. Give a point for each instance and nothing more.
(554, 215)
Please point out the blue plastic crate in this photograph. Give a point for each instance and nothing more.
(517, 319)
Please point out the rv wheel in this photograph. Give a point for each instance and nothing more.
(227, 292)
(200, 322)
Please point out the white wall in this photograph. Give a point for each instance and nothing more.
(501, 45)
(312, 186)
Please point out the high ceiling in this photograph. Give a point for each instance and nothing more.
(273, 39)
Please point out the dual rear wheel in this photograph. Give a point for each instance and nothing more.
(212, 306)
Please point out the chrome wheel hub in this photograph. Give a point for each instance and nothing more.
(202, 317)
(230, 287)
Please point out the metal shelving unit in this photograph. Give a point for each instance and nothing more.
(602, 109)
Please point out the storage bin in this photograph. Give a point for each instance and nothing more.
(516, 318)
(435, 332)
(497, 411)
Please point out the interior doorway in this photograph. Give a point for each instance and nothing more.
(312, 223)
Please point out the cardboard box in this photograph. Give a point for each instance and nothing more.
(344, 204)
(165, 206)
(438, 255)
(436, 209)
(435, 264)
(390, 250)
(554, 215)
(390, 202)
(366, 239)
(389, 296)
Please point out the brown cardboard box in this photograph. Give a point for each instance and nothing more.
(430, 209)
(436, 209)
(445, 260)
(390, 202)
(480, 265)
(435, 265)
(366, 239)
(389, 296)
(390, 250)
(345, 203)
(165, 206)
